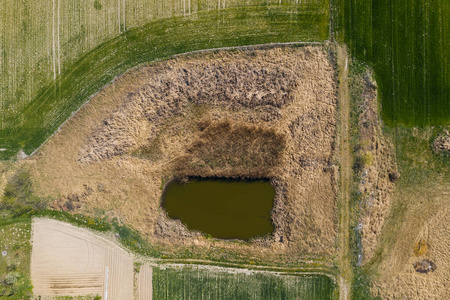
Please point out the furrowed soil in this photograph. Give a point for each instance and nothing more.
(71, 261)
(193, 116)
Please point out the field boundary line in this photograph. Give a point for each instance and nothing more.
(53, 41)
(345, 175)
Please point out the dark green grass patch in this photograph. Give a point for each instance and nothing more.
(407, 43)
(196, 283)
(156, 40)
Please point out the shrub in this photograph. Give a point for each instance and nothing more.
(18, 195)
(11, 278)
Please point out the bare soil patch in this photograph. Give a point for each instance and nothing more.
(424, 266)
(145, 287)
(71, 261)
(259, 113)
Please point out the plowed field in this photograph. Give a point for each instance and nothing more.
(67, 260)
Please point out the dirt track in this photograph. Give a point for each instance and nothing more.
(345, 176)
(67, 260)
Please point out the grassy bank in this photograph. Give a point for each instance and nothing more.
(26, 126)
(419, 192)
(424, 175)
(361, 278)
(15, 255)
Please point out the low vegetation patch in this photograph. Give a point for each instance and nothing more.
(169, 283)
(230, 149)
(19, 198)
(15, 253)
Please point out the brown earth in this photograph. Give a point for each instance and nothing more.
(256, 113)
(378, 170)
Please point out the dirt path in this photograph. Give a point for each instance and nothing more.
(345, 176)
(145, 287)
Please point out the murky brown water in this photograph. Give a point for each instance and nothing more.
(225, 209)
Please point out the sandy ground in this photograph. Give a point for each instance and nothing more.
(145, 288)
(70, 261)
(90, 163)
(401, 281)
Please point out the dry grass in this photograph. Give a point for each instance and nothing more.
(243, 113)
(421, 247)
(228, 149)
(418, 223)
(374, 163)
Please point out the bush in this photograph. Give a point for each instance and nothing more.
(12, 266)
(358, 164)
(11, 278)
(18, 195)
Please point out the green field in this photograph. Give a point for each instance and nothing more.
(15, 265)
(407, 42)
(196, 283)
(54, 56)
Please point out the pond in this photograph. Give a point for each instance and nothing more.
(222, 208)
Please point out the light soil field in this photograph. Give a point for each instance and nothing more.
(116, 153)
(71, 261)
(54, 55)
(145, 282)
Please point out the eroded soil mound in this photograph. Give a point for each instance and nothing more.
(424, 266)
(260, 113)
(442, 143)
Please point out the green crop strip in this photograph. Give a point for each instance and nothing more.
(196, 283)
(407, 43)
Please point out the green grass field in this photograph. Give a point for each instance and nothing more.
(407, 42)
(196, 283)
(55, 55)
(15, 265)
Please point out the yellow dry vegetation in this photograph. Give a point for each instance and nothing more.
(206, 115)
(421, 247)
(412, 259)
